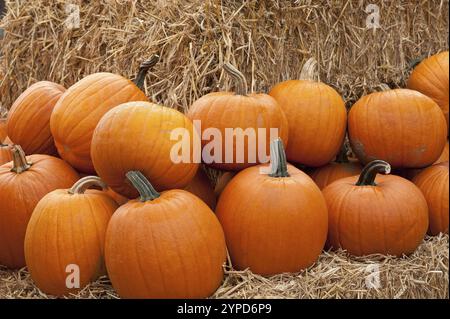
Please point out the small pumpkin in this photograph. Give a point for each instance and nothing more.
(430, 77)
(67, 229)
(316, 115)
(274, 222)
(341, 167)
(433, 182)
(242, 112)
(5, 153)
(201, 186)
(29, 118)
(167, 245)
(137, 135)
(23, 183)
(373, 214)
(81, 107)
(403, 127)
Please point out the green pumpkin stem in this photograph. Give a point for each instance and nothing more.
(370, 171)
(143, 186)
(278, 159)
(143, 70)
(20, 163)
(238, 77)
(85, 183)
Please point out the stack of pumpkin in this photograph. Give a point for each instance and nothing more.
(148, 221)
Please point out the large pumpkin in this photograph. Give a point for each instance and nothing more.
(433, 182)
(403, 127)
(167, 245)
(251, 116)
(373, 214)
(5, 153)
(29, 118)
(23, 183)
(431, 78)
(65, 237)
(201, 187)
(273, 222)
(317, 118)
(81, 107)
(144, 136)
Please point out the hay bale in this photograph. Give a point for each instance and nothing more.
(424, 274)
(267, 40)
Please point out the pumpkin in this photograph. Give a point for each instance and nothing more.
(81, 107)
(444, 155)
(29, 118)
(274, 222)
(403, 127)
(3, 131)
(23, 183)
(251, 117)
(430, 77)
(342, 167)
(223, 181)
(433, 182)
(5, 153)
(67, 229)
(373, 214)
(201, 186)
(167, 245)
(137, 135)
(316, 115)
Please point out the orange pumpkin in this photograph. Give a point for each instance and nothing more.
(81, 107)
(317, 119)
(29, 118)
(23, 183)
(67, 229)
(431, 78)
(250, 116)
(373, 214)
(137, 135)
(201, 186)
(444, 155)
(167, 245)
(403, 127)
(433, 182)
(5, 153)
(274, 222)
(3, 131)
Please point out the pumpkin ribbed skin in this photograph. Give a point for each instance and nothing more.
(444, 155)
(169, 247)
(67, 229)
(79, 110)
(19, 194)
(325, 175)
(5, 153)
(317, 120)
(224, 110)
(34, 106)
(390, 218)
(430, 77)
(434, 184)
(137, 136)
(265, 217)
(201, 187)
(403, 127)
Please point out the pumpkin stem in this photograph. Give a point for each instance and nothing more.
(278, 159)
(20, 163)
(143, 70)
(370, 172)
(86, 182)
(143, 186)
(309, 70)
(241, 82)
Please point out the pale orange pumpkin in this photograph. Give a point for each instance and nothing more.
(81, 107)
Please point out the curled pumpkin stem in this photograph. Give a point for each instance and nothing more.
(20, 163)
(238, 77)
(278, 159)
(143, 70)
(143, 186)
(85, 183)
(310, 71)
(370, 171)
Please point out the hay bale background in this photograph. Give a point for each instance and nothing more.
(424, 274)
(268, 40)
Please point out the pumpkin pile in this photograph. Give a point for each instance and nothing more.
(95, 180)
